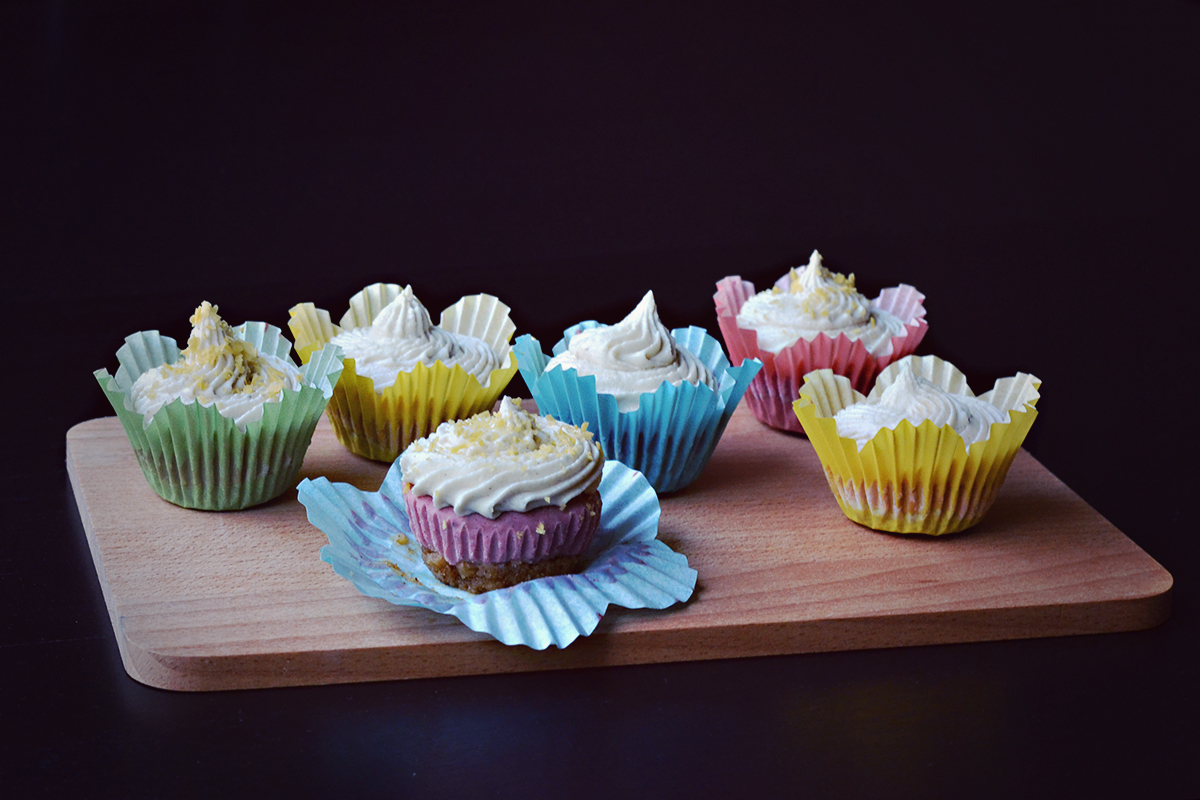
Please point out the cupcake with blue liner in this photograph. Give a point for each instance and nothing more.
(921, 453)
(404, 375)
(225, 423)
(372, 544)
(657, 400)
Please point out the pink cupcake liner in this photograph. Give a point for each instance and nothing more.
(778, 383)
(511, 536)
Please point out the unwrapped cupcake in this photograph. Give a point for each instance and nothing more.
(502, 498)
(920, 453)
(404, 375)
(225, 423)
(814, 319)
(657, 400)
(374, 543)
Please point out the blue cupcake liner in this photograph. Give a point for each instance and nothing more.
(371, 544)
(671, 435)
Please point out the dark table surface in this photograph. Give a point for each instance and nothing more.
(1032, 168)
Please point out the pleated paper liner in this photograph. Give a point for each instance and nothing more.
(371, 544)
(777, 386)
(196, 458)
(916, 479)
(379, 425)
(671, 435)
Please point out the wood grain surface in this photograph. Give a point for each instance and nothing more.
(209, 601)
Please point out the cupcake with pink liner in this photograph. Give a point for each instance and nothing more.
(921, 453)
(814, 319)
(503, 497)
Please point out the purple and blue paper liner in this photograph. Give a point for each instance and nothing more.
(194, 457)
(671, 435)
(371, 544)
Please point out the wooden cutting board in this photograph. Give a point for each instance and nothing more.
(205, 600)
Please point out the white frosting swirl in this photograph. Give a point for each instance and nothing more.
(507, 461)
(633, 357)
(916, 399)
(402, 335)
(218, 369)
(818, 302)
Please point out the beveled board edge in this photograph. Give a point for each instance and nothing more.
(123, 645)
(486, 656)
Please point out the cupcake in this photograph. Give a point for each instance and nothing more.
(920, 453)
(502, 498)
(657, 400)
(372, 544)
(225, 423)
(814, 319)
(404, 375)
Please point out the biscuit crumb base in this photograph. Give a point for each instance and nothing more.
(477, 577)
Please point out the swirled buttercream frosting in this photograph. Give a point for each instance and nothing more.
(216, 369)
(507, 460)
(402, 335)
(818, 301)
(916, 399)
(632, 357)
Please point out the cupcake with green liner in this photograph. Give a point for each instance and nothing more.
(225, 423)
(657, 400)
(404, 375)
(920, 453)
(812, 319)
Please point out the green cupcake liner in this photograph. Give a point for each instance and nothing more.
(196, 458)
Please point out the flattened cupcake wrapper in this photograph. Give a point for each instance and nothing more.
(371, 544)
(671, 435)
(776, 387)
(380, 425)
(196, 458)
(916, 479)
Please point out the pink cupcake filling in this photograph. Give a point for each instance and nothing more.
(527, 536)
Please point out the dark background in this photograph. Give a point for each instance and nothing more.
(1030, 167)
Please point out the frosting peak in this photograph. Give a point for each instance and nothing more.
(209, 331)
(635, 356)
(827, 298)
(817, 301)
(216, 368)
(640, 340)
(403, 335)
(227, 363)
(816, 275)
(403, 318)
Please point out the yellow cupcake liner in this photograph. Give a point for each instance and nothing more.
(379, 425)
(916, 479)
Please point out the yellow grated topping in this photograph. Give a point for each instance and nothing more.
(511, 431)
(214, 348)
